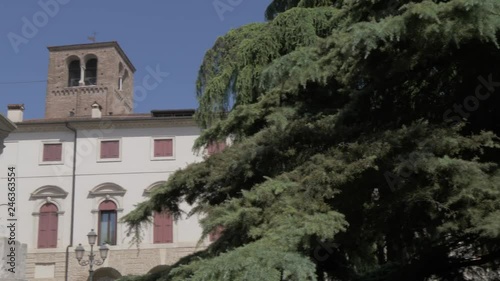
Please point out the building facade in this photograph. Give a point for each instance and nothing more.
(89, 162)
(6, 127)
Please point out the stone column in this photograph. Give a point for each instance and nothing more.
(82, 76)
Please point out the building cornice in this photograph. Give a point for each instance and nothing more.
(105, 124)
(6, 127)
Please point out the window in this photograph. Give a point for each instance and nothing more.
(91, 72)
(107, 223)
(123, 79)
(52, 152)
(47, 226)
(216, 234)
(163, 148)
(163, 228)
(125, 76)
(75, 71)
(214, 148)
(109, 149)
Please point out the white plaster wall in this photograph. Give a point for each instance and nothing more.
(23, 151)
(134, 172)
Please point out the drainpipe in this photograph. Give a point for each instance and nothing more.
(66, 277)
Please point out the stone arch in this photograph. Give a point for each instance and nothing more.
(71, 58)
(40, 203)
(89, 57)
(107, 191)
(106, 274)
(48, 194)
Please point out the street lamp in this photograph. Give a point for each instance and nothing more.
(80, 251)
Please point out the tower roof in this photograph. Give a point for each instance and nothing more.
(99, 45)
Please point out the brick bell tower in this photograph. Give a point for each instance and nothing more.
(80, 75)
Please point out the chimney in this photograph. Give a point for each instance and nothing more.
(15, 112)
(96, 110)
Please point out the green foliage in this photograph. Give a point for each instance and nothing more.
(366, 124)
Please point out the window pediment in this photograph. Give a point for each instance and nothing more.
(152, 187)
(107, 189)
(48, 191)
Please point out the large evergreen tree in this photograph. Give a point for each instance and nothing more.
(365, 145)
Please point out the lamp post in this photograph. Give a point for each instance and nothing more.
(80, 251)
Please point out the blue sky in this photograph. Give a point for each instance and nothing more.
(174, 34)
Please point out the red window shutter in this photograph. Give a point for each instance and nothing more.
(46, 152)
(42, 231)
(52, 152)
(221, 146)
(57, 152)
(163, 148)
(215, 147)
(104, 150)
(110, 149)
(211, 149)
(163, 231)
(52, 230)
(216, 234)
(107, 205)
(169, 148)
(159, 148)
(47, 227)
(169, 228)
(115, 149)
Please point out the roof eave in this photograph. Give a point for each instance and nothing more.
(6, 124)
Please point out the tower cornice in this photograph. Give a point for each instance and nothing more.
(100, 45)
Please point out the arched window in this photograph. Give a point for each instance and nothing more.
(163, 231)
(123, 79)
(107, 223)
(75, 72)
(91, 72)
(216, 147)
(47, 226)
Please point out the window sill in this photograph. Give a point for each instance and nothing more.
(84, 86)
(48, 163)
(45, 249)
(105, 160)
(163, 158)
